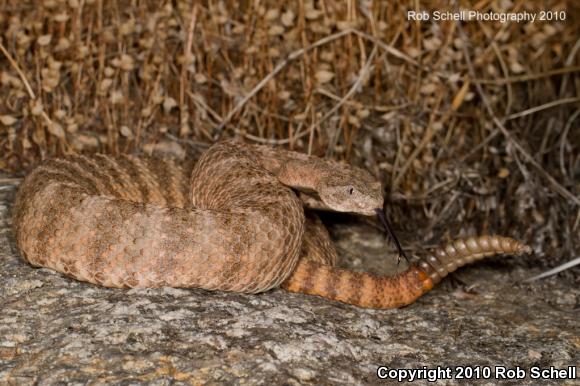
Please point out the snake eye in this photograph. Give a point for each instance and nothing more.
(350, 190)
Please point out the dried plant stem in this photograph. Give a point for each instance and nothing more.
(553, 271)
(542, 107)
(504, 68)
(528, 77)
(429, 133)
(18, 71)
(563, 139)
(383, 109)
(10, 181)
(362, 75)
(557, 186)
(187, 60)
(568, 62)
(296, 54)
(389, 49)
(31, 93)
(480, 145)
(292, 56)
(199, 100)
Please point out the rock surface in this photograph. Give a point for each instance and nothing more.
(54, 330)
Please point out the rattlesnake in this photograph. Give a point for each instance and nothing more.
(232, 222)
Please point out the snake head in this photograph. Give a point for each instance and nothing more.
(357, 192)
(361, 194)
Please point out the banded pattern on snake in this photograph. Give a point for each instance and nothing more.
(232, 222)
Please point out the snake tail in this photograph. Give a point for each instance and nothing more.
(372, 291)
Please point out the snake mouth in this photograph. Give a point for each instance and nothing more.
(389, 230)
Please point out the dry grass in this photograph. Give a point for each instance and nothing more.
(473, 127)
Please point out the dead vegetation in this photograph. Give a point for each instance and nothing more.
(473, 127)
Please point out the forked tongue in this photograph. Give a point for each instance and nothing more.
(389, 230)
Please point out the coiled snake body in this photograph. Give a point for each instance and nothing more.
(232, 223)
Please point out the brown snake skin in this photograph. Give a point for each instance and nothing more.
(231, 223)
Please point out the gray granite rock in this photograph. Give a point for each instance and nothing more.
(54, 330)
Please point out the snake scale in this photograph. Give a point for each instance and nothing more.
(231, 222)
